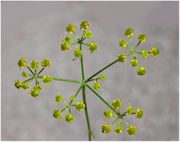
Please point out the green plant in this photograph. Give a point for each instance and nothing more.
(73, 40)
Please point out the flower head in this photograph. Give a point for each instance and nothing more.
(117, 103)
(142, 38)
(45, 63)
(106, 128)
(59, 98)
(132, 130)
(130, 109)
(85, 25)
(154, 51)
(34, 65)
(34, 92)
(129, 32)
(96, 85)
(122, 57)
(123, 43)
(92, 46)
(88, 34)
(68, 39)
(71, 28)
(65, 46)
(47, 79)
(57, 114)
(144, 53)
(24, 74)
(77, 52)
(22, 62)
(139, 113)
(141, 71)
(108, 114)
(134, 62)
(18, 84)
(69, 118)
(80, 106)
(25, 85)
(118, 129)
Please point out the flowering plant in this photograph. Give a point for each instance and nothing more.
(79, 43)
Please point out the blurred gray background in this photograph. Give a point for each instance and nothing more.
(35, 30)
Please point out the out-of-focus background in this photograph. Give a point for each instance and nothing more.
(35, 30)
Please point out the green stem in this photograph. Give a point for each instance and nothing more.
(84, 98)
(84, 43)
(72, 101)
(138, 52)
(114, 120)
(30, 70)
(124, 114)
(76, 93)
(40, 71)
(137, 44)
(96, 79)
(65, 80)
(35, 74)
(28, 79)
(102, 99)
(112, 63)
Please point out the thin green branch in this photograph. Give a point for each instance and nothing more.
(114, 120)
(40, 71)
(77, 93)
(69, 104)
(28, 79)
(102, 99)
(94, 79)
(36, 81)
(62, 79)
(124, 114)
(30, 70)
(84, 43)
(112, 63)
(138, 44)
(104, 68)
(138, 52)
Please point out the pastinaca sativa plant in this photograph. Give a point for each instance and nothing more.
(79, 43)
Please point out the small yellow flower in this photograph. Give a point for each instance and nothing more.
(22, 62)
(118, 129)
(106, 128)
(141, 71)
(129, 32)
(139, 113)
(132, 130)
(108, 114)
(47, 79)
(117, 104)
(85, 25)
(80, 106)
(34, 65)
(69, 118)
(45, 63)
(57, 114)
(71, 28)
(122, 57)
(142, 38)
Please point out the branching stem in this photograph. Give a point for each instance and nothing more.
(101, 98)
(84, 96)
(62, 79)
(104, 68)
